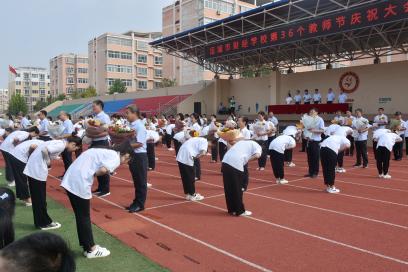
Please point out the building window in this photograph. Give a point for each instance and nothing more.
(42, 77)
(18, 83)
(69, 90)
(119, 41)
(82, 60)
(142, 84)
(70, 80)
(119, 55)
(26, 92)
(119, 68)
(220, 6)
(158, 60)
(142, 45)
(82, 70)
(18, 91)
(26, 76)
(126, 82)
(34, 91)
(157, 85)
(42, 84)
(82, 80)
(42, 92)
(141, 71)
(70, 70)
(34, 75)
(27, 83)
(141, 58)
(34, 83)
(158, 73)
(70, 60)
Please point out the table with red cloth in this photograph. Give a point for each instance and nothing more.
(305, 108)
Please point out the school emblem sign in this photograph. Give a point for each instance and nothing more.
(349, 82)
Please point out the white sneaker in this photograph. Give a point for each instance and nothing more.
(53, 225)
(195, 197)
(12, 184)
(381, 176)
(246, 213)
(337, 170)
(149, 185)
(332, 190)
(170, 149)
(99, 252)
(261, 168)
(283, 181)
(156, 159)
(291, 164)
(28, 204)
(386, 176)
(342, 170)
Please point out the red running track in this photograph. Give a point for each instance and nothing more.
(294, 227)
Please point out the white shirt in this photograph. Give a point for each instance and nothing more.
(245, 133)
(406, 131)
(191, 149)
(140, 135)
(152, 135)
(36, 167)
(343, 98)
(381, 120)
(339, 119)
(8, 144)
(25, 123)
(239, 154)
(317, 97)
(331, 129)
(343, 131)
(388, 140)
(44, 126)
(298, 98)
(331, 96)
(180, 136)
(196, 127)
(79, 177)
(307, 98)
(288, 100)
(105, 120)
(20, 152)
(273, 120)
(281, 143)
(320, 126)
(169, 128)
(336, 143)
(262, 127)
(68, 127)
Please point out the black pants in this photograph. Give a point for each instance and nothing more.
(307, 103)
(168, 140)
(103, 181)
(151, 156)
(383, 160)
(222, 149)
(375, 149)
(270, 139)
(9, 164)
(340, 159)
(22, 190)
(329, 160)
(398, 150)
(138, 169)
(246, 177)
(39, 199)
(288, 155)
(233, 182)
(187, 177)
(304, 145)
(329, 102)
(313, 157)
(177, 146)
(66, 158)
(350, 151)
(197, 168)
(262, 159)
(214, 150)
(316, 102)
(82, 213)
(361, 152)
(277, 163)
(406, 146)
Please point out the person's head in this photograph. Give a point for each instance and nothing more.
(10, 117)
(125, 150)
(380, 111)
(195, 118)
(20, 115)
(359, 112)
(298, 91)
(316, 91)
(97, 106)
(348, 113)
(242, 121)
(180, 116)
(28, 117)
(213, 117)
(132, 113)
(289, 94)
(49, 118)
(313, 112)
(330, 90)
(338, 113)
(7, 207)
(63, 116)
(270, 114)
(81, 118)
(73, 143)
(34, 131)
(40, 251)
(306, 91)
(398, 115)
(42, 114)
(261, 115)
(143, 115)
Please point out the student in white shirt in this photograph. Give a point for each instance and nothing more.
(380, 120)
(152, 137)
(19, 158)
(385, 144)
(329, 150)
(179, 132)
(345, 132)
(102, 141)
(25, 123)
(348, 121)
(291, 130)
(277, 151)
(298, 98)
(78, 182)
(398, 148)
(273, 121)
(43, 126)
(36, 171)
(222, 144)
(331, 96)
(342, 98)
(313, 142)
(169, 133)
(317, 97)
(212, 138)
(361, 127)
(138, 162)
(190, 150)
(8, 145)
(306, 97)
(245, 134)
(234, 176)
(68, 129)
(263, 128)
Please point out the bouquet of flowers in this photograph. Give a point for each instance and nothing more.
(348, 122)
(95, 129)
(161, 123)
(309, 122)
(360, 123)
(55, 129)
(259, 127)
(120, 133)
(229, 134)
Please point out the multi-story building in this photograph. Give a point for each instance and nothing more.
(68, 73)
(4, 100)
(127, 57)
(187, 14)
(33, 83)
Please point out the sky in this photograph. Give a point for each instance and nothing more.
(34, 31)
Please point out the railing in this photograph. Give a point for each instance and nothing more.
(85, 111)
(170, 107)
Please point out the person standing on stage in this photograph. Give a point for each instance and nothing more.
(103, 180)
(289, 99)
(385, 143)
(342, 98)
(317, 97)
(313, 141)
(44, 126)
(331, 96)
(68, 129)
(138, 161)
(329, 149)
(298, 98)
(307, 98)
(361, 126)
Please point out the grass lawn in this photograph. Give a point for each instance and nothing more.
(122, 258)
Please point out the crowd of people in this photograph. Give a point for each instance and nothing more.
(29, 147)
(315, 98)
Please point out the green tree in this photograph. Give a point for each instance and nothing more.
(166, 82)
(117, 87)
(40, 105)
(76, 94)
(17, 104)
(89, 92)
(61, 97)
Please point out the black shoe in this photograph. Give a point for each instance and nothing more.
(356, 165)
(135, 209)
(307, 176)
(102, 194)
(313, 176)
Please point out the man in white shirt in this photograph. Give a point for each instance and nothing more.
(313, 142)
(380, 120)
(298, 98)
(399, 146)
(307, 97)
(24, 123)
(44, 126)
(361, 127)
(342, 98)
(104, 180)
(317, 97)
(138, 162)
(331, 96)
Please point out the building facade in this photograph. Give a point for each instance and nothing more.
(187, 14)
(68, 74)
(33, 83)
(4, 100)
(127, 57)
